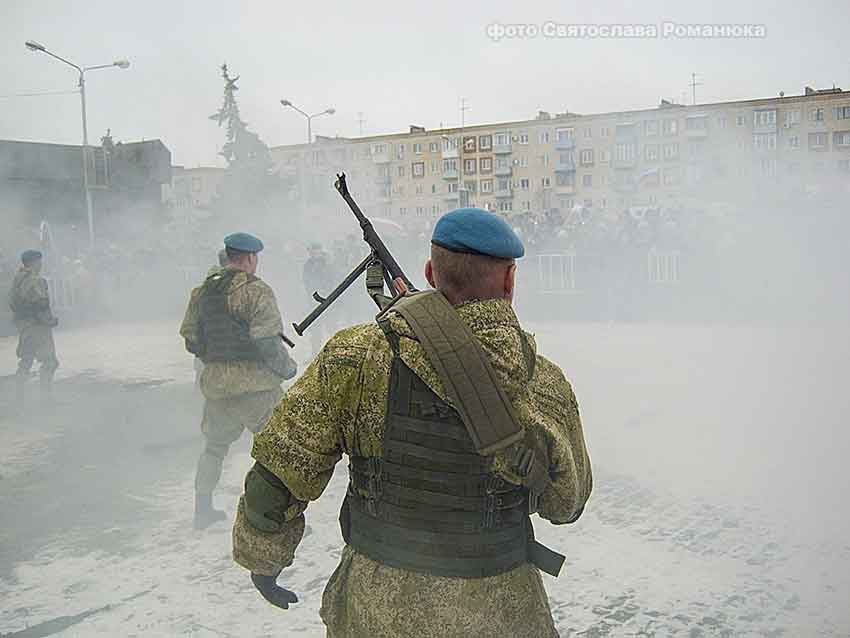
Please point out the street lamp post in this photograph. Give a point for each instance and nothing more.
(121, 64)
(309, 117)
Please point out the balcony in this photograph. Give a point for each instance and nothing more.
(503, 193)
(449, 173)
(565, 144)
(450, 153)
(502, 149)
(567, 166)
(503, 171)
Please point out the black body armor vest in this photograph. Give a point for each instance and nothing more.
(225, 336)
(431, 503)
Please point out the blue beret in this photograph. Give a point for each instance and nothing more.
(30, 255)
(477, 231)
(244, 242)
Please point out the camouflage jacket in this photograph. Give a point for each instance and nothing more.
(255, 303)
(29, 298)
(313, 427)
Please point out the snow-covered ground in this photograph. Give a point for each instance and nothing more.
(720, 506)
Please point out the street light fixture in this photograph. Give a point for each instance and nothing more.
(330, 111)
(121, 64)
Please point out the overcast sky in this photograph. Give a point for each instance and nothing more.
(399, 63)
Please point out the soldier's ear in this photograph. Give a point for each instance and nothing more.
(429, 274)
(510, 281)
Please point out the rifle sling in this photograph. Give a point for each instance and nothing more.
(462, 365)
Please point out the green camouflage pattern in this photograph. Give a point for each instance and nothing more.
(337, 407)
(253, 301)
(35, 334)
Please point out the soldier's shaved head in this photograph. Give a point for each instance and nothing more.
(465, 276)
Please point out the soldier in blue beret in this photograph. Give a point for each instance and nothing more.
(29, 300)
(234, 327)
(444, 400)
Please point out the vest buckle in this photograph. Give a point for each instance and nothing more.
(375, 486)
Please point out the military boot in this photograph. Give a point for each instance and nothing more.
(205, 514)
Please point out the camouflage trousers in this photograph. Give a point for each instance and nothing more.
(35, 343)
(223, 423)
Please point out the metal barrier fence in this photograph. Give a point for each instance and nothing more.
(556, 273)
(663, 267)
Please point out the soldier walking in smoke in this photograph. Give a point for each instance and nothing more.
(456, 431)
(29, 300)
(317, 277)
(234, 326)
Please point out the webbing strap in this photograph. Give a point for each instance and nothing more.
(464, 369)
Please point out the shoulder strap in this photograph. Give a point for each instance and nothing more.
(463, 367)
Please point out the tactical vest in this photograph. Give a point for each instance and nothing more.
(24, 310)
(431, 503)
(225, 337)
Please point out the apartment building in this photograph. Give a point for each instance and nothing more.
(670, 155)
(193, 187)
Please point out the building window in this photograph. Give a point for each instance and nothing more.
(672, 176)
(543, 137)
(842, 112)
(565, 179)
(502, 139)
(763, 119)
(603, 203)
(587, 181)
(417, 169)
(650, 152)
(432, 147)
(792, 117)
(696, 123)
(605, 157)
(650, 128)
(400, 151)
(523, 138)
(564, 134)
(740, 120)
(764, 142)
(588, 132)
(670, 127)
(401, 171)
(435, 167)
(523, 183)
(506, 206)
(417, 149)
(452, 187)
(486, 185)
(469, 144)
(402, 211)
(523, 161)
(816, 115)
(841, 138)
(485, 164)
(671, 151)
(544, 160)
(449, 165)
(485, 142)
(433, 189)
(625, 152)
(586, 157)
(817, 140)
(470, 166)
(721, 122)
(768, 167)
(605, 131)
(504, 185)
(526, 205)
(502, 162)
(545, 182)
(794, 141)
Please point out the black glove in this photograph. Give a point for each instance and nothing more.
(272, 592)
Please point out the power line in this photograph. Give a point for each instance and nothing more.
(11, 95)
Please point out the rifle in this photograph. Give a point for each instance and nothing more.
(379, 265)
